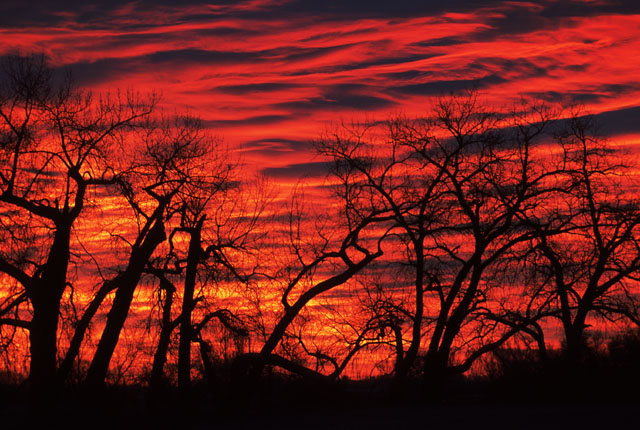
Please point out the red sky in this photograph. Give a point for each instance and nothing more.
(269, 75)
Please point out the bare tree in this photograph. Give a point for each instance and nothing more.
(455, 186)
(175, 158)
(57, 143)
(326, 252)
(493, 171)
(167, 326)
(592, 267)
(377, 162)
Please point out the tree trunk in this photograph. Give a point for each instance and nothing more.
(117, 316)
(435, 374)
(292, 312)
(575, 345)
(184, 348)
(160, 356)
(45, 299)
(416, 335)
(397, 331)
(43, 348)
(81, 329)
(207, 364)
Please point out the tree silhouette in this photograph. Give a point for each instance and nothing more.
(175, 160)
(378, 165)
(435, 242)
(316, 245)
(586, 256)
(456, 186)
(57, 143)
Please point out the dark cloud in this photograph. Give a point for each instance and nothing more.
(564, 97)
(136, 39)
(609, 123)
(16, 13)
(286, 144)
(408, 75)
(93, 72)
(276, 147)
(89, 73)
(201, 56)
(252, 120)
(341, 9)
(356, 65)
(571, 8)
(44, 173)
(338, 34)
(255, 88)
(521, 19)
(495, 70)
(343, 96)
(47, 12)
(293, 54)
(214, 57)
(225, 31)
(345, 101)
(518, 19)
(300, 170)
(587, 95)
(621, 121)
(434, 88)
(514, 67)
(85, 73)
(442, 41)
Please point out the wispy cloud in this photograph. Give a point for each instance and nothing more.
(276, 71)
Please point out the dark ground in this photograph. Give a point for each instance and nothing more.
(295, 404)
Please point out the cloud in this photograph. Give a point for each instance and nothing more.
(374, 62)
(620, 121)
(92, 72)
(95, 71)
(347, 10)
(16, 13)
(202, 56)
(262, 87)
(286, 144)
(276, 147)
(590, 94)
(434, 88)
(516, 19)
(441, 41)
(101, 70)
(573, 8)
(520, 18)
(515, 68)
(252, 120)
(340, 97)
(300, 170)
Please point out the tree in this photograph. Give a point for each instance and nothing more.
(455, 186)
(57, 144)
(589, 267)
(378, 165)
(174, 160)
(222, 222)
(325, 253)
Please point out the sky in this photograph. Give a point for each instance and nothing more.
(269, 76)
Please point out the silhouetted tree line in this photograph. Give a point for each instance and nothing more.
(440, 243)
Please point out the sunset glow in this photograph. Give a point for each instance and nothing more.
(267, 76)
(336, 189)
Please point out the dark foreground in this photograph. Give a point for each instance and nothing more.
(297, 404)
